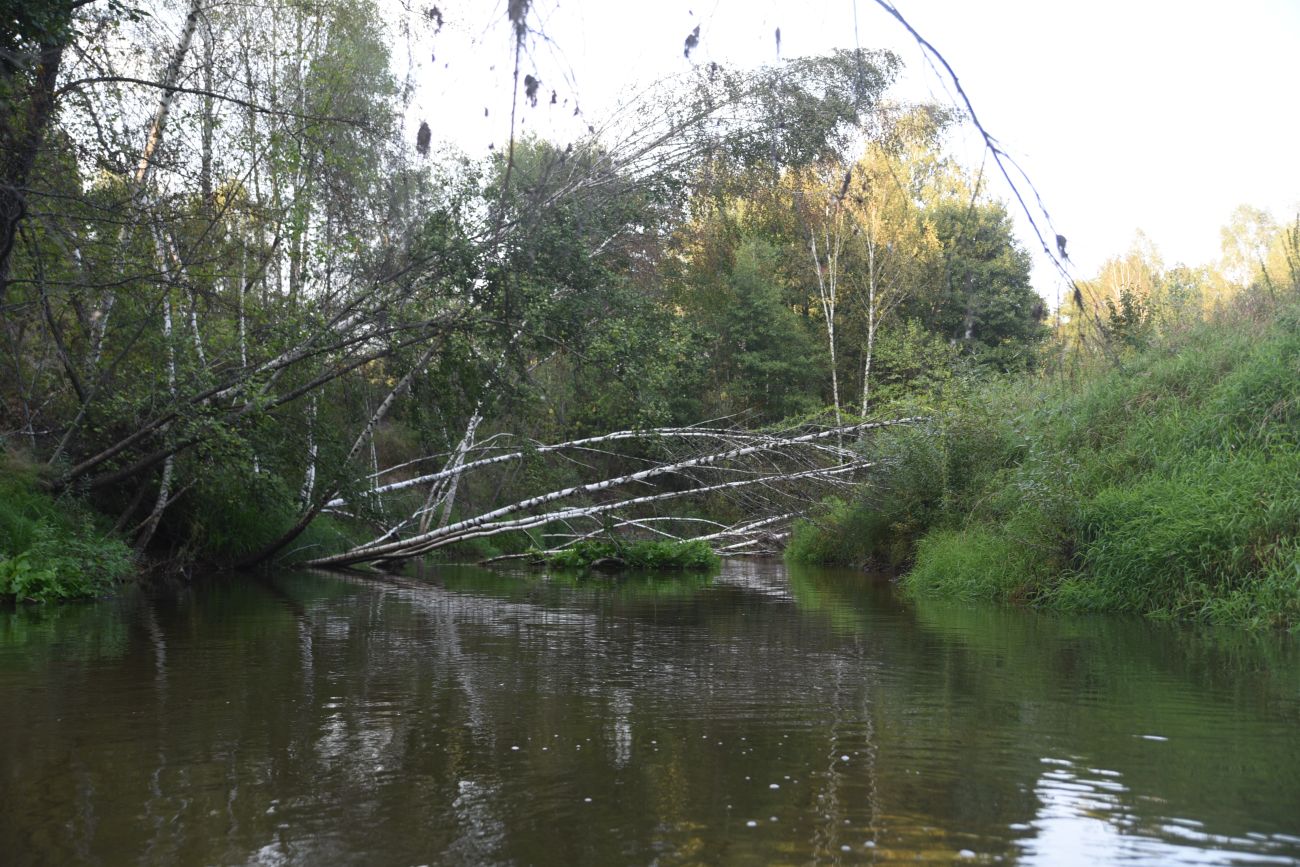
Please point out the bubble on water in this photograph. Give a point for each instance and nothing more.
(514, 748)
(846, 848)
(870, 844)
(774, 786)
(586, 800)
(844, 758)
(751, 824)
(965, 853)
(771, 818)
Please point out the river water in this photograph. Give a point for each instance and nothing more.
(763, 716)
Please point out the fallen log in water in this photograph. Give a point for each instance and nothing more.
(780, 474)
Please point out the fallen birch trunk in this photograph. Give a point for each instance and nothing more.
(776, 472)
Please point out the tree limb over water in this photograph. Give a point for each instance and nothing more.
(771, 462)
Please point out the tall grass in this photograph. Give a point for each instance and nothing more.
(1168, 485)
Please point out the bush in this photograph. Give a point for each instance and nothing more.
(230, 514)
(52, 549)
(646, 555)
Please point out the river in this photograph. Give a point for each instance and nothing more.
(763, 716)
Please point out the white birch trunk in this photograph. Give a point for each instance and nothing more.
(145, 167)
(872, 320)
(374, 551)
(465, 530)
(164, 485)
(828, 291)
(309, 476)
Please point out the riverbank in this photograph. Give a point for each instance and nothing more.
(53, 548)
(63, 547)
(1161, 483)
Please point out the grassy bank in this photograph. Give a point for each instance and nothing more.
(55, 548)
(1167, 484)
(52, 549)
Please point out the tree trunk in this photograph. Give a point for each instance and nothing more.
(828, 292)
(872, 320)
(20, 155)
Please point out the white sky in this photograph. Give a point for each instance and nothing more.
(1157, 115)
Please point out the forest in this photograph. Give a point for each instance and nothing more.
(255, 311)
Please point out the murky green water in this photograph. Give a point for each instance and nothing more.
(760, 718)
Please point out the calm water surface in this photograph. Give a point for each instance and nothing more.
(764, 716)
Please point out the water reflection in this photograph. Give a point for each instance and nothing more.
(756, 717)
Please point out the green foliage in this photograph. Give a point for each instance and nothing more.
(642, 555)
(911, 362)
(1218, 526)
(26, 26)
(978, 563)
(229, 514)
(1165, 488)
(52, 549)
(846, 534)
(924, 474)
(771, 356)
(980, 294)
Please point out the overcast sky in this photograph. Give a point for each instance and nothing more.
(1159, 115)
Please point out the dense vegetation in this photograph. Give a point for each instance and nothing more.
(53, 549)
(1161, 482)
(245, 306)
(251, 311)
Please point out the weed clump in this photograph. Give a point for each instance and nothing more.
(665, 556)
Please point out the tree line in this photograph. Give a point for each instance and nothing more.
(244, 305)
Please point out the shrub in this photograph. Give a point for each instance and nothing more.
(52, 549)
(644, 555)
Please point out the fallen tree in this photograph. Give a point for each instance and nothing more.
(775, 475)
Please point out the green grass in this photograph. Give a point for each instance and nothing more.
(52, 549)
(665, 556)
(1165, 485)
